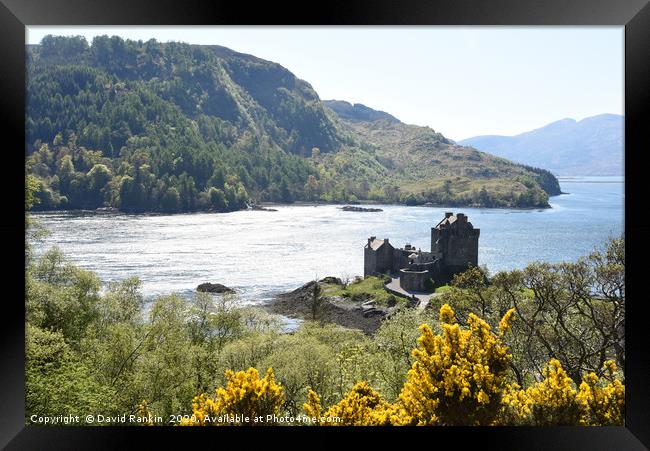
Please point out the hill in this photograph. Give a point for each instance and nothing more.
(149, 126)
(427, 167)
(592, 146)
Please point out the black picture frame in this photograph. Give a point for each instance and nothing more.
(633, 14)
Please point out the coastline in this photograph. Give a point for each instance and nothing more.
(316, 203)
(300, 203)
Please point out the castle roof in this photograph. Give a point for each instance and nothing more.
(375, 244)
(451, 218)
(446, 221)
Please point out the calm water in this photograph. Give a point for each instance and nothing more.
(261, 253)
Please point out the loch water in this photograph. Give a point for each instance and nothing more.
(262, 253)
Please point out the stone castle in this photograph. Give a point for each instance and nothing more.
(454, 247)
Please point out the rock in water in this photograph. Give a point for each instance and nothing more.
(360, 209)
(107, 210)
(214, 288)
(260, 208)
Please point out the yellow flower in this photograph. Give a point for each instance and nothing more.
(602, 403)
(447, 315)
(506, 322)
(312, 407)
(245, 396)
(457, 377)
(362, 406)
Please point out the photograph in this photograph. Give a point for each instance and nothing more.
(417, 222)
(325, 226)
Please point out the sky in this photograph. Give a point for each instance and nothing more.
(460, 81)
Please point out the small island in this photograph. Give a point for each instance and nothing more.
(360, 209)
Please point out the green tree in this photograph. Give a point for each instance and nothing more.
(57, 382)
(218, 199)
(61, 297)
(171, 200)
(97, 178)
(132, 195)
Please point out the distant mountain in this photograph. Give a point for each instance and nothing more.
(592, 146)
(358, 111)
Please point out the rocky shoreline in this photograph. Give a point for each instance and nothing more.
(300, 304)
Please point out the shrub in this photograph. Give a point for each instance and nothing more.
(245, 397)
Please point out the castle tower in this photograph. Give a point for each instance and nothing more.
(454, 240)
(377, 256)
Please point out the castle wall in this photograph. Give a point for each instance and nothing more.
(461, 248)
(413, 280)
(436, 247)
(438, 273)
(385, 258)
(369, 262)
(400, 259)
(378, 261)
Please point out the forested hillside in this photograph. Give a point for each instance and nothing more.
(147, 126)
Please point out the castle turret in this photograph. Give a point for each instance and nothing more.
(454, 240)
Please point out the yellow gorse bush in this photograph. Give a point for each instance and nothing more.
(245, 396)
(506, 322)
(312, 407)
(602, 403)
(458, 377)
(555, 401)
(362, 406)
(144, 414)
(549, 402)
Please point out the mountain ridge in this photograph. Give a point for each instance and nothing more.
(358, 111)
(590, 146)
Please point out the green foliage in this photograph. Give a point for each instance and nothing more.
(218, 199)
(31, 187)
(57, 382)
(326, 356)
(443, 289)
(392, 345)
(164, 117)
(422, 166)
(61, 296)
